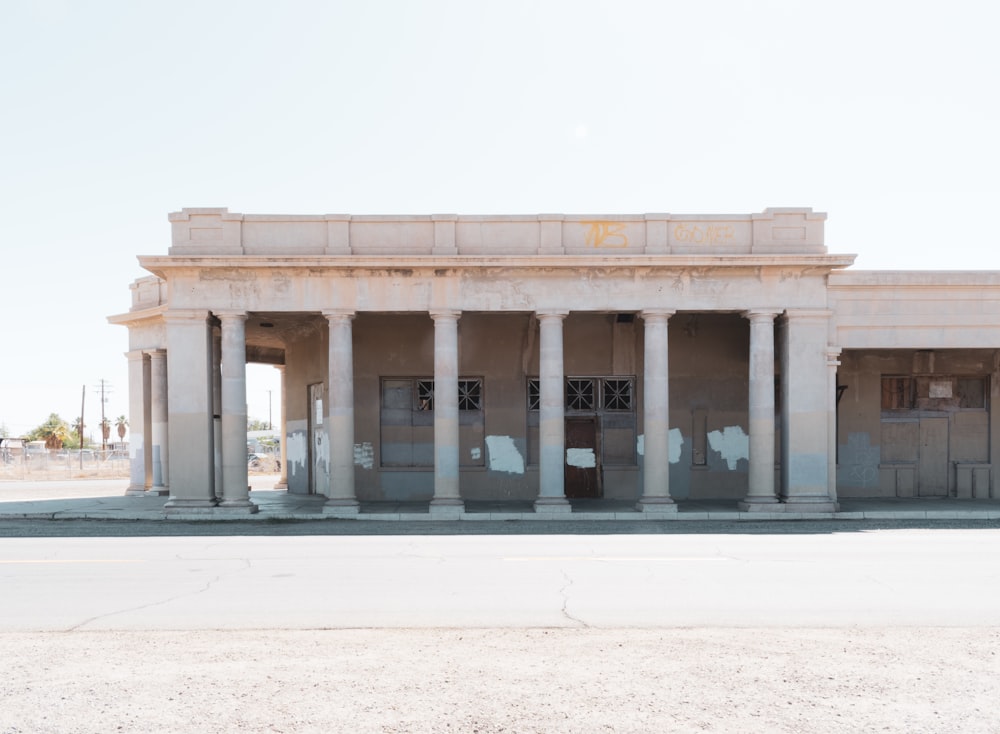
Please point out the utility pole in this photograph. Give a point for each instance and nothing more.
(83, 402)
(105, 388)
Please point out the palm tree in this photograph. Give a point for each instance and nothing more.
(121, 423)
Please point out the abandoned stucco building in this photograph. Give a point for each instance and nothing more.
(651, 358)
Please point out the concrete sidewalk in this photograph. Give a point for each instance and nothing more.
(105, 499)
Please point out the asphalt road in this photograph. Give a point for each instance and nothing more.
(873, 578)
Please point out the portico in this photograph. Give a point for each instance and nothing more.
(448, 359)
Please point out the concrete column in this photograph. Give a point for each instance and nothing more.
(189, 412)
(340, 423)
(805, 425)
(235, 483)
(552, 418)
(282, 482)
(138, 439)
(761, 495)
(447, 499)
(158, 408)
(656, 415)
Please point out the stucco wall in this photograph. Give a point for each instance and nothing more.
(708, 398)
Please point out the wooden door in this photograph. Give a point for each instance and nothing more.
(933, 458)
(583, 470)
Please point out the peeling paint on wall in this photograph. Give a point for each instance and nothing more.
(364, 455)
(731, 443)
(676, 439)
(581, 458)
(504, 455)
(676, 444)
(296, 452)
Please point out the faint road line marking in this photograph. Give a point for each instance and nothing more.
(80, 560)
(620, 559)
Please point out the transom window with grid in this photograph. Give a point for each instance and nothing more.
(470, 394)
(590, 394)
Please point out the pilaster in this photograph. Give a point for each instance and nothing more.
(805, 383)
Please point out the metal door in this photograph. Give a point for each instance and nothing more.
(583, 470)
(933, 458)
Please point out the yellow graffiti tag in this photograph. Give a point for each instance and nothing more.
(606, 234)
(707, 235)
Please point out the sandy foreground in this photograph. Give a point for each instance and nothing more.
(503, 680)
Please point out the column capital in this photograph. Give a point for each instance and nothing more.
(136, 355)
(656, 314)
(445, 314)
(761, 314)
(339, 314)
(833, 356)
(550, 314)
(158, 352)
(230, 314)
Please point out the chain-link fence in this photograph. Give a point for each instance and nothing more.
(26, 464)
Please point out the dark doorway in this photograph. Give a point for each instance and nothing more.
(583, 469)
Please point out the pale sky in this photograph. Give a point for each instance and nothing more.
(884, 115)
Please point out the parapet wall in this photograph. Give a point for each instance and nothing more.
(198, 232)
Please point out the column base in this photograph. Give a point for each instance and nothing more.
(159, 491)
(281, 484)
(134, 491)
(656, 505)
(450, 509)
(552, 505)
(181, 506)
(346, 508)
(238, 506)
(760, 504)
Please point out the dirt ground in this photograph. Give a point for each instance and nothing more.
(503, 680)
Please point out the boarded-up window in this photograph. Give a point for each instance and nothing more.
(897, 393)
(971, 392)
(407, 422)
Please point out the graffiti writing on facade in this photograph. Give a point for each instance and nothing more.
(606, 234)
(709, 234)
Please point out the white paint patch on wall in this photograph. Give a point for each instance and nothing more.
(676, 444)
(504, 455)
(676, 439)
(475, 453)
(364, 455)
(297, 452)
(581, 458)
(731, 443)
